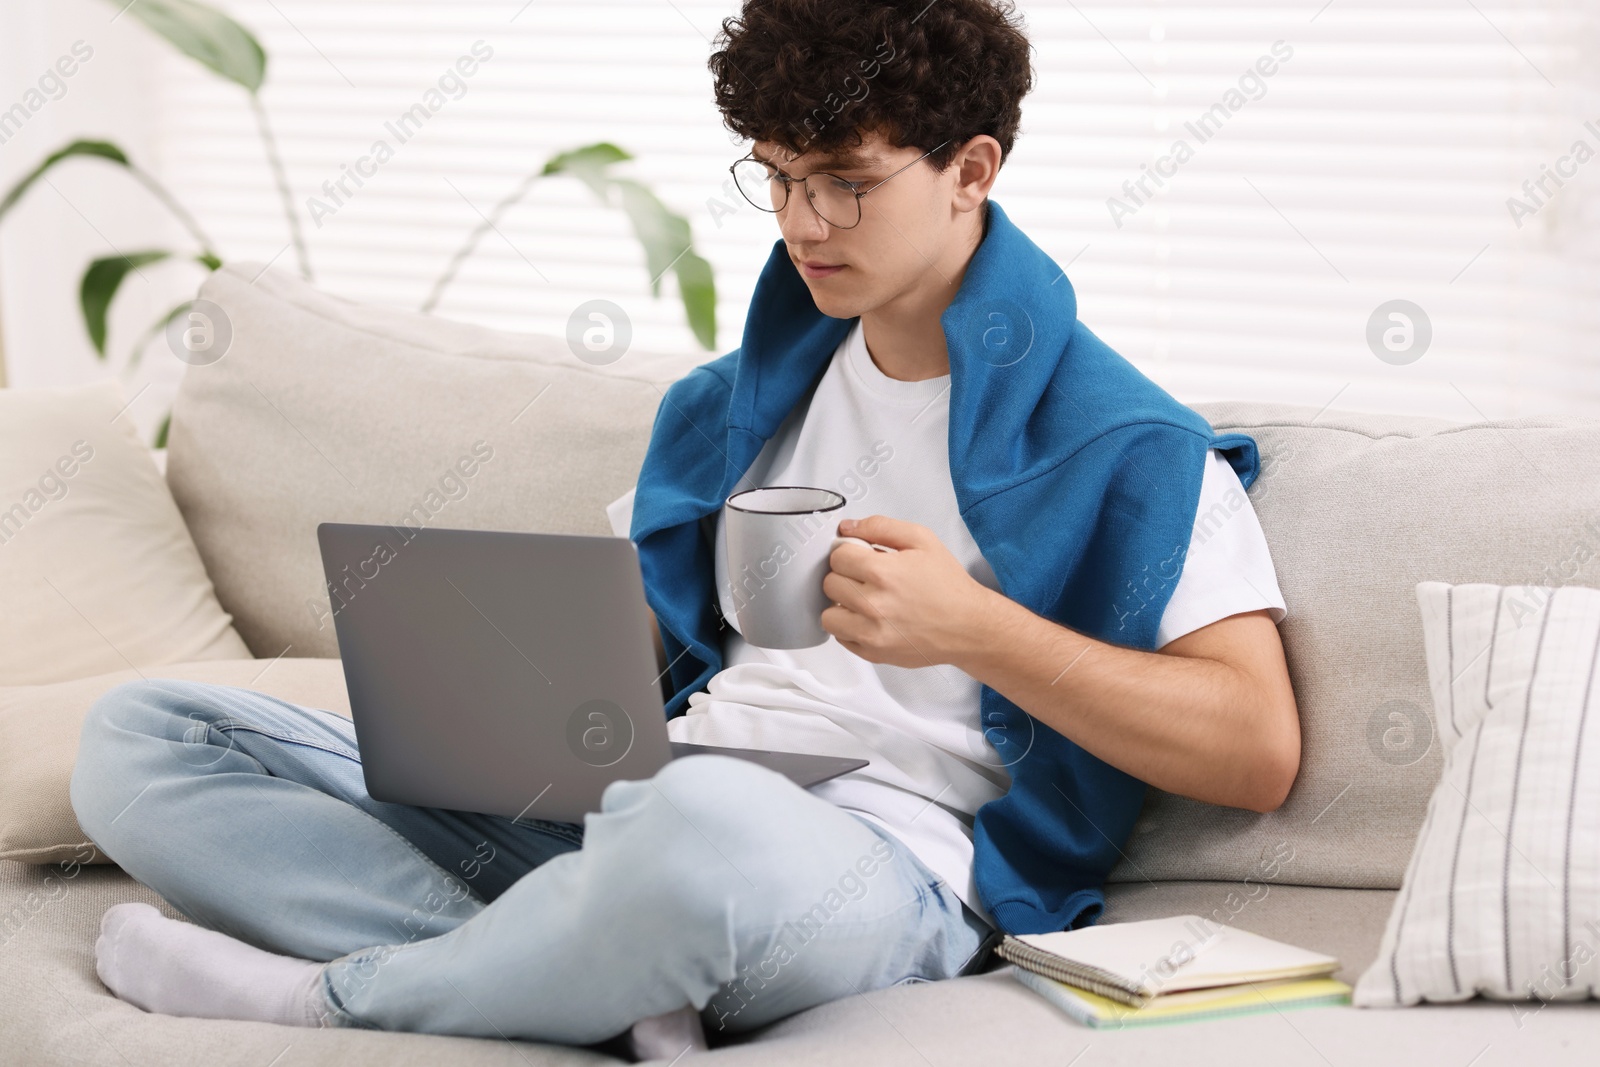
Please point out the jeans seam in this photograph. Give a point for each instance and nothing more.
(573, 836)
(340, 1015)
(293, 739)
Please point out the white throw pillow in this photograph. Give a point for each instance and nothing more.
(97, 571)
(1502, 895)
(40, 726)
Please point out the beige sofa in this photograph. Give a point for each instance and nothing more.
(324, 410)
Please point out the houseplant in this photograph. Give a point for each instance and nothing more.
(210, 37)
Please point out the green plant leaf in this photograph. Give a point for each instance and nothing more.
(99, 149)
(112, 154)
(699, 292)
(588, 164)
(205, 34)
(668, 245)
(100, 284)
(161, 432)
(665, 236)
(99, 287)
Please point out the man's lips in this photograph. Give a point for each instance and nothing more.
(820, 270)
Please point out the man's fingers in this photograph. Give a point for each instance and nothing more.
(847, 591)
(855, 561)
(843, 624)
(896, 533)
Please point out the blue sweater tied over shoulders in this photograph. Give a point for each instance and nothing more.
(1077, 476)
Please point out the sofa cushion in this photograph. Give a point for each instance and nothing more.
(1357, 509)
(40, 724)
(58, 1013)
(1502, 896)
(97, 571)
(324, 410)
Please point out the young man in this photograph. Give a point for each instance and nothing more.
(1082, 603)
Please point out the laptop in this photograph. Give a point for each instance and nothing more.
(506, 673)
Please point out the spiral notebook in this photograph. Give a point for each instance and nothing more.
(1136, 963)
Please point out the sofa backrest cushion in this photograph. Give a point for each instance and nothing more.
(322, 410)
(97, 572)
(1357, 509)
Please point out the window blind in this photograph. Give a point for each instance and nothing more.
(1239, 192)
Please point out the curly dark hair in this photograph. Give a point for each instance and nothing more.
(807, 74)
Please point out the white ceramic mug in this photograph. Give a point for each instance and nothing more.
(779, 539)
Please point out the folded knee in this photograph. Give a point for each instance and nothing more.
(122, 728)
(718, 795)
(690, 819)
(127, 713)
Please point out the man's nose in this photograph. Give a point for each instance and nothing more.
(799, 221)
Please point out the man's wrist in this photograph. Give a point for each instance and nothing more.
(991, 629)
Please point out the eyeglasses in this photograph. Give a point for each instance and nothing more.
(835, 200)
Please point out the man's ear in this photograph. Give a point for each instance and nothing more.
(977, 167)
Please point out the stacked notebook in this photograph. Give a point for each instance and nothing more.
(1169, 970)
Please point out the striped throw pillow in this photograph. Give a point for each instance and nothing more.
(1502, 894)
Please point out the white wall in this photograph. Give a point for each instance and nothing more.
(93, 209)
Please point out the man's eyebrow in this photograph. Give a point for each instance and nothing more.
(840, 161)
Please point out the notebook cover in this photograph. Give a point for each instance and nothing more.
(1101, 1013)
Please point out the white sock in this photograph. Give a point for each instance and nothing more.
(666, 1037)
(178, 968)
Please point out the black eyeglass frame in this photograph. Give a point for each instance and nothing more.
(789, 180)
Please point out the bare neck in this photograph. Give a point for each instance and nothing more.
(904, 336)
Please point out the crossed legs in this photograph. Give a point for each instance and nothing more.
(716, 884)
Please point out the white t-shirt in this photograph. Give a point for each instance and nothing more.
(883, 444)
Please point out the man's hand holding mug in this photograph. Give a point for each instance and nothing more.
(886, 589)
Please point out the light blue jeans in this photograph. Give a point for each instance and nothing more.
(715, 883)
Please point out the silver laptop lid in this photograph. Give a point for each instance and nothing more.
(510, 673)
